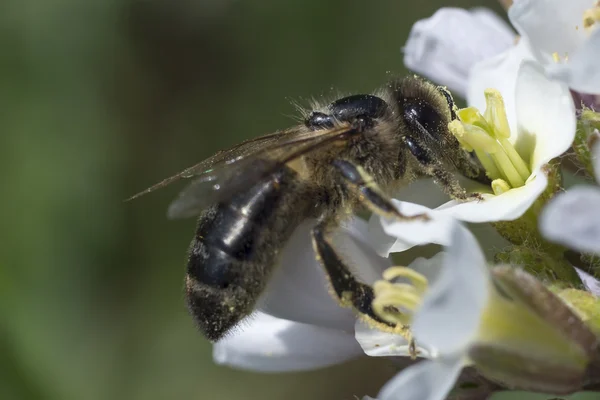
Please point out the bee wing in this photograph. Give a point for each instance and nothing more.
(229, 156)
(238, 169)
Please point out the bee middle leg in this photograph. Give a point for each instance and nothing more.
(347, 289)
(369, 194)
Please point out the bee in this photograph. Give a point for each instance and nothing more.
(345, 156)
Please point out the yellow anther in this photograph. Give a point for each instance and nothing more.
(556, 57)
(418, 280)
(591, 17)
(395, 302)
(478, 138)
(500, 186)
(457, 129)
(487, 135)
(495, 113)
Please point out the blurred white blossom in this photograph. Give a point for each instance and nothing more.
(472, 315)
(447, 45)
(573, 219)
(563, 38)
(268, 344)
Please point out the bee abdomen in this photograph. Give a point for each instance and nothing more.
(234, 250)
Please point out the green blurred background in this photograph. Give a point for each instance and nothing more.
(99, 99)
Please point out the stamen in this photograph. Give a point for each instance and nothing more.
(488, 136)
(591, 17)
(500, 186)
(495, 113)
(396, 301)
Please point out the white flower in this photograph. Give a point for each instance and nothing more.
(541, 127)
(573, 219)
(299, 325)
(445, 46)
(268, 344)
(564, 37)
(468, 316)
(552, 32)
(445, 323)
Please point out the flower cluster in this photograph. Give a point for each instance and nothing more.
(513, 295)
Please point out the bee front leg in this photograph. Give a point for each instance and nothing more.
(435, 169)
(348, 291)
(369, 194)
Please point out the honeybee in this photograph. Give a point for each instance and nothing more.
(346, 155)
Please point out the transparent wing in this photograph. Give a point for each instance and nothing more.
(229, 156)
(239, 168)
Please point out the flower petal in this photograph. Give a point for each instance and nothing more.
(592, 284)
(456, 298)
(408, 234)
(573, 219)
(376, 343)
(445, 46)
(550, 25)
(423, 192)
(428, 380)
(271, 344)
(581, 72)
(507, 206)
(298, 289)
(499, 72)
(545, 114)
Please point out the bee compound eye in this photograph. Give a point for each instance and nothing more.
(419, 112)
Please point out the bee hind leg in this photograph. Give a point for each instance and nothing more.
(347, 289)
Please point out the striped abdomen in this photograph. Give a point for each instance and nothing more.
(235, 248)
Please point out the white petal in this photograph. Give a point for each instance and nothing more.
(423, 192)
(581, 72)
(429, 267)
(298, 290)
(270, 344)
(545, 114)
(499, 72)
(449, 315)
(353, 244)
(382, 344)
(591, 283)
(428, 380)
(550, 25)
(445, 46)
(413, 233)
(505, 207)
(573, 219)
